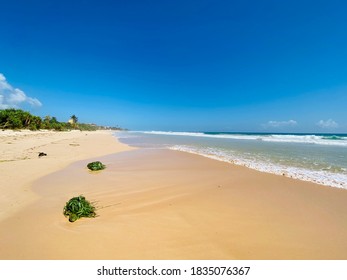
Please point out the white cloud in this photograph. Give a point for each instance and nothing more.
(280, 123)
(34, 102)
(16, 96)
(13, 97)
(328, 124)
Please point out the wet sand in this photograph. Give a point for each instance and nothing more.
(20, 165)
(162, 204)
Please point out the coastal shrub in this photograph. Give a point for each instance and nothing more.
(19, 119)
(96, 165)
(78, 207)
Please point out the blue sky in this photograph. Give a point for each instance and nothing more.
(199, 65)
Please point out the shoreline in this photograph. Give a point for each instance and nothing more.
(163, 204)
(311, 158)
(278, 171)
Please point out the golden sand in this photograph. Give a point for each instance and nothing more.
(20, 165)
(162, 204)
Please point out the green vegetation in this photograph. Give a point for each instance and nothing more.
(96, 165)
(19, 119)
(74, 119)
(78, 207)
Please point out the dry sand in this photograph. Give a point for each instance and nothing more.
(161, 204)
(20, 165)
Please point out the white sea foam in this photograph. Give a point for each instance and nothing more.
(316, 176)
(287, 138)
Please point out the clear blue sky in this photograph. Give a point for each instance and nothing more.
(178, 65)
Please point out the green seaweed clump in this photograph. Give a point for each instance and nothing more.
(96, 165)
(78, 207)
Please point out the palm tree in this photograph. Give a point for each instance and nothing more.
(73, 120)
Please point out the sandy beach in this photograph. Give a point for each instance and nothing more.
(157, 204)
(21, 166)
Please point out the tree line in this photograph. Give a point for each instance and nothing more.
(19, 119)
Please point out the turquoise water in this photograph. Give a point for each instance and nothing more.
(319, 158)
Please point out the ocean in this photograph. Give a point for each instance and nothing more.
(318, 158)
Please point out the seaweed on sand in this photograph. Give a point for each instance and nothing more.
(96, 165)
(78, 207)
